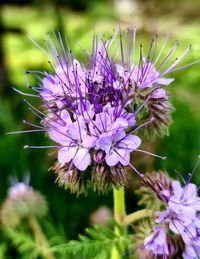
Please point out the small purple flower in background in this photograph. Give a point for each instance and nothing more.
(177, 222)
(185, 199)
(182, 206)
(180, 212)
(22, 202)
(191, 239)
(19, 188)
(157, 242)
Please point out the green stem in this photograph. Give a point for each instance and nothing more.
(119, 205)
(119, 214)
(43, 243)
(128, 219)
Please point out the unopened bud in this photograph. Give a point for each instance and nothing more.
(101, 216)
(22, 202)
(159, 93)
(99, 156)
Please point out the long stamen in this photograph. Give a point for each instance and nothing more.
(25, 94)
(149, 153)
(141, 175)
(181, 177)
(194, 169)
(27, 146)
(25, 131)
(162, 49)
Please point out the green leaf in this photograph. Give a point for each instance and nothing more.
(148, 198)
(23, 242)
(97, 241)
(26, 245)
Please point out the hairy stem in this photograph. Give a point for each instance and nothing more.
(40, 238)
(119, 214)
(128, 219)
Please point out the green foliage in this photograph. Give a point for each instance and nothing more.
(23, 242)
(97, 243)
(148, 198)
(54, 235)
(182, 145)
(3, 248)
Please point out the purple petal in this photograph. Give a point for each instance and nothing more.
(82, 159)
(66, 154)
(165, 81)
(112, 158)
(124, 156)
(158, 94)
(132, 142)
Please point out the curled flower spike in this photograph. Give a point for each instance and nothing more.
(160, 183)
(93, 111)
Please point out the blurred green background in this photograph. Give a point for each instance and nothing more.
(77, 19)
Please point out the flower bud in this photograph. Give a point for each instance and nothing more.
(159, 93)
(22, 202)
(101, 216)
(99, 156)
(160, 184)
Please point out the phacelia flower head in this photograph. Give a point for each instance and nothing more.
(92, 111)
(180, 213)
(22, 201)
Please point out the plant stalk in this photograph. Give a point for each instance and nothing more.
(42, 242)
(119, 214)
(128, 219)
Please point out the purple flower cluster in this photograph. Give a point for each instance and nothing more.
(181, 217)
(93, 110)
(104, 133)
(157, 242)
